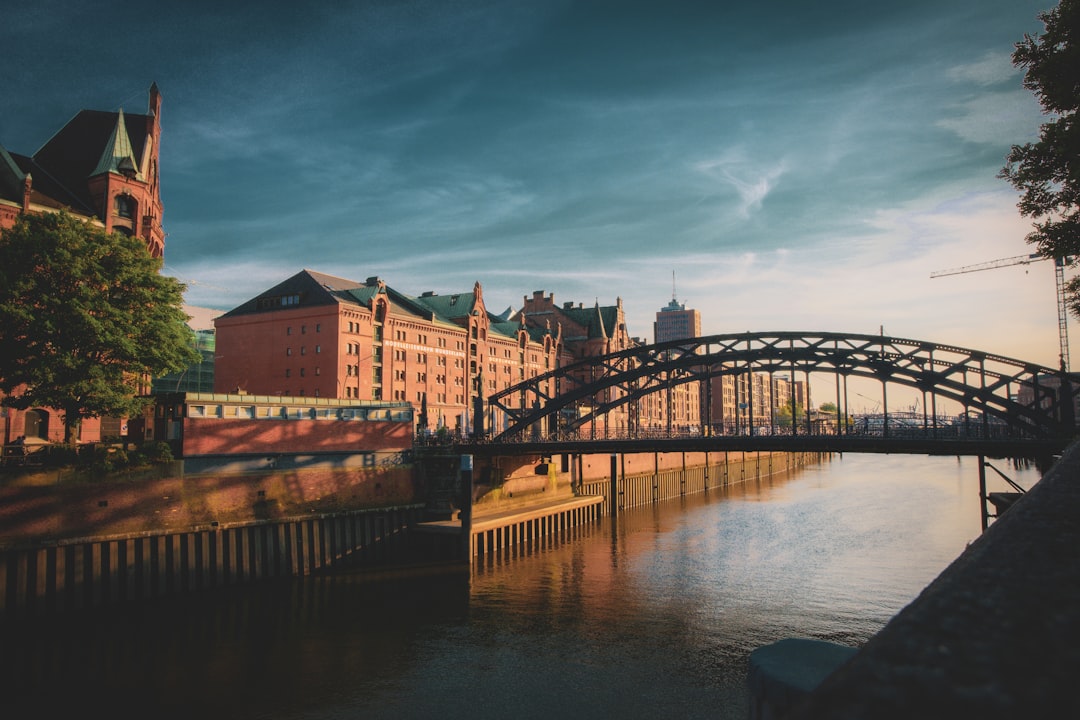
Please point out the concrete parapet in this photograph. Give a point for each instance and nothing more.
(996, 635)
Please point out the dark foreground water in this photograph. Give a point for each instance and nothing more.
(652, 620)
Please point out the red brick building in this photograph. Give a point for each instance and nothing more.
(586, 332)
(101, 166)
(316, 335)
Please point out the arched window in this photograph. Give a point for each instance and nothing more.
(125, 206)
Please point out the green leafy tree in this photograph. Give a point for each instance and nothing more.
(782, 414)
(85, 316)
(828, 407)
(1047, 172)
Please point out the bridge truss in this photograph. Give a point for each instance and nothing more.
(998, 394)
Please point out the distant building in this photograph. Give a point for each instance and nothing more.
(678, 408)
(584, 331)
(316, 335)
(198, 378)
(675, 322)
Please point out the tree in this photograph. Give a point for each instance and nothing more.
(828, 407)
(1047, 173)
(84, 316)
(782, 415)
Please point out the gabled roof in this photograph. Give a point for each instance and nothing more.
(63, 164)
(11, 178)
(599, 321)
(452, 307)
(311, 288)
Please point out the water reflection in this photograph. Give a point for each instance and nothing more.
(653, 617)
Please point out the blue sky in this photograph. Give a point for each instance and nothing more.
(797, 166)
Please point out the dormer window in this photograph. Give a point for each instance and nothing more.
(125, 206)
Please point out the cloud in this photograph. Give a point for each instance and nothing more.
(993, 68)
(752, 183)
(1001, 118)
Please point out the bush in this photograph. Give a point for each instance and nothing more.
(158, 452)
(57, 456)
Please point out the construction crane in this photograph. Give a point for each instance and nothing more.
(1059, 275)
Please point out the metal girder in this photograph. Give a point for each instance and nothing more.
(979, 381)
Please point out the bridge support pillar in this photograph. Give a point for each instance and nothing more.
(466, 505)
(614, 488)
(982, 492)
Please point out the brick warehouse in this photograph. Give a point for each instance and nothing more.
(322, 336)
(101, 166)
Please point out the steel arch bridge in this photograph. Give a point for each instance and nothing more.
(1009, 396)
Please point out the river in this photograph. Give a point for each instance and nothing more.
(652, 619)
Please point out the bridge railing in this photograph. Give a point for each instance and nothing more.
(864, 427)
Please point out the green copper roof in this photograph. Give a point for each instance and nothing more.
(118, 156)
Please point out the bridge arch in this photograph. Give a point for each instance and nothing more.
(1027, 399)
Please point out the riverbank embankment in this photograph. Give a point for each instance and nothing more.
(996, 635)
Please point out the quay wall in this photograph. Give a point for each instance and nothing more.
(68, 543)
(80, 573)
(507, 530)
(642, 477)
(48, 507)
(995, 635)
(646, 486)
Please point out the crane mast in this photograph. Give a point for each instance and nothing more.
(1059, 278)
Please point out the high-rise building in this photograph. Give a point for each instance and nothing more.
(679, 407)
(675, 322)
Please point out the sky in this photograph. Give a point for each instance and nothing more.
(776, 166)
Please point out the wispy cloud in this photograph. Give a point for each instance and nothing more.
(992, 68)
(751, 182)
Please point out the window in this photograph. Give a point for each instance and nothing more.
(288, 330)
(303, 350)
(125, 206)
(288, 351)
(288, 372)
(318, 349)
(318, 327)
(303, 329)
(302, 373)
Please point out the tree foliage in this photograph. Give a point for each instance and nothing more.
(85, 316)
(1047, 172)
(782, 414)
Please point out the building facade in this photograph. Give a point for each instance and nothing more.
(316, 335)
(675, 322)
(101, 166)
(586, 332)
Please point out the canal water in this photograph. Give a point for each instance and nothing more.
(652, 618)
